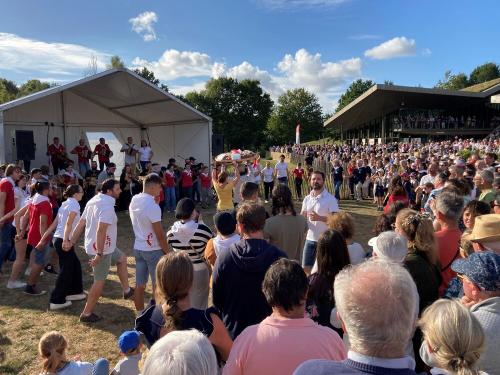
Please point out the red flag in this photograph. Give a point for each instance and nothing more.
(297, 134)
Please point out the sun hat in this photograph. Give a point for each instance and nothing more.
(486, 229)
(482, 268)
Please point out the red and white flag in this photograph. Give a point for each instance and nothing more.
(297, 134)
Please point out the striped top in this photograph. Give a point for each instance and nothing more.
(191, 239)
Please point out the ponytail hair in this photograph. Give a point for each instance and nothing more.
(71, 190)
(41, 186)
(52, 348)
(174, 278)
(419, 231)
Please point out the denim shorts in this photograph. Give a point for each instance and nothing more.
(101, 270)
(145, 265)
(309, 253)
(42, 256)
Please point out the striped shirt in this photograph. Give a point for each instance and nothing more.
(194, 246)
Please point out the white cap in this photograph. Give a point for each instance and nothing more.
(390, 246)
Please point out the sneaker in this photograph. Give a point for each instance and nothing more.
(129, 294)
(15, 284)
(33, 291)
(59, 306)
(76, 297)
(92, 318)
(50, 269)
(266, 201)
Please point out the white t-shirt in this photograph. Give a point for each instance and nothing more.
(356, 253)
(255, 172)
(281, 169)
(145, 153)
(69, 205)
(323, 204)
(77, 368)
(100, 209)
(268, 174)
(144, 211)
(129, 159)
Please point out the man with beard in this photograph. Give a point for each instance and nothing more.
(100, 222)
(316, 207)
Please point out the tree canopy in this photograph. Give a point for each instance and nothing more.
(356, 89)
(150, 76)
(483, 73)
(297, 106)
(116, 63)
(10, 91)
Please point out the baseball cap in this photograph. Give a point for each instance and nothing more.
(486, 229)
(482, 268)
(128, 341)
(390, 246)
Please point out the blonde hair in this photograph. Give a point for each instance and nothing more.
(342, 222)
(174, 278)
(52, 347)
(419, 231)
(455, 336)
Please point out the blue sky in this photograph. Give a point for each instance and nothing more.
(322, 45)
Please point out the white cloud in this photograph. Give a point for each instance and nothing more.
(326, 79)
(287, 4)
(143, 25)
(184, 89)
(28, 55)
(426, 52)
(396, 47)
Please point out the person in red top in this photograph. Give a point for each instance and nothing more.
(206, 185)
(396, 193)
(448, 209)
(298, 173)
(7, 206)
(57, 154)
(40, 218)
(187, 182)
(169, 188)
(103, 153)
(83, 153)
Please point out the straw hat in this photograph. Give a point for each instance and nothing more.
(486, 229)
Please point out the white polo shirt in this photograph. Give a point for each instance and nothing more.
(281, 169)
(144, 211)
(69, 205)
(323, 204)
(100, 209)
(268, 174)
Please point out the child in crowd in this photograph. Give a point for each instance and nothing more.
(428, 188)
(52, 350)
(225, 224)
(130, 347)
(379, 181)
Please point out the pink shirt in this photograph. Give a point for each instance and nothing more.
(279, 346)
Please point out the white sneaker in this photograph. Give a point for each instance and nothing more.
(59, 306)
(28, 271)
(15, 284)
(76, 297)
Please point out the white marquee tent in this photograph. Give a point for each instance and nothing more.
(117, 101)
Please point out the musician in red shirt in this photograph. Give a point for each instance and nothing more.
(298, 173)
(206, 185)
(187, 182)
(57, 154)
(169, 188)
(83, 153)
(103, 153)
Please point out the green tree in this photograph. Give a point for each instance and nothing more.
(294, 107)
(239, 109)
(150, 76)
(356, 89)
(8, 90)
(32, 86)
(483, 73)
(453, 81)
(388, 83)
(115, 63)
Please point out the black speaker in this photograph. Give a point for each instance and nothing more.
(217, 144)
(25, 145)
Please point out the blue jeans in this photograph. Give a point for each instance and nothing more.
(84, 167)
(170, 201)
(309, 253)
(338, 184)
(6, 241)
(283, 180)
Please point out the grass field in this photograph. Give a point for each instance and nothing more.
(23, 319)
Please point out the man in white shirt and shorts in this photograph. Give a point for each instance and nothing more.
(150, 240)
(281, 170)
(100, 223)
(316, 207)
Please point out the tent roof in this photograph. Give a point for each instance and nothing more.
(381, 99)
(125, 94)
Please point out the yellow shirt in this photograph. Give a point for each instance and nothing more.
(225, 194)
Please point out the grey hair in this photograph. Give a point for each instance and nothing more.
(181, 353)
(450, 205)
(378, 303)
(487, 176)
(391, 246)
